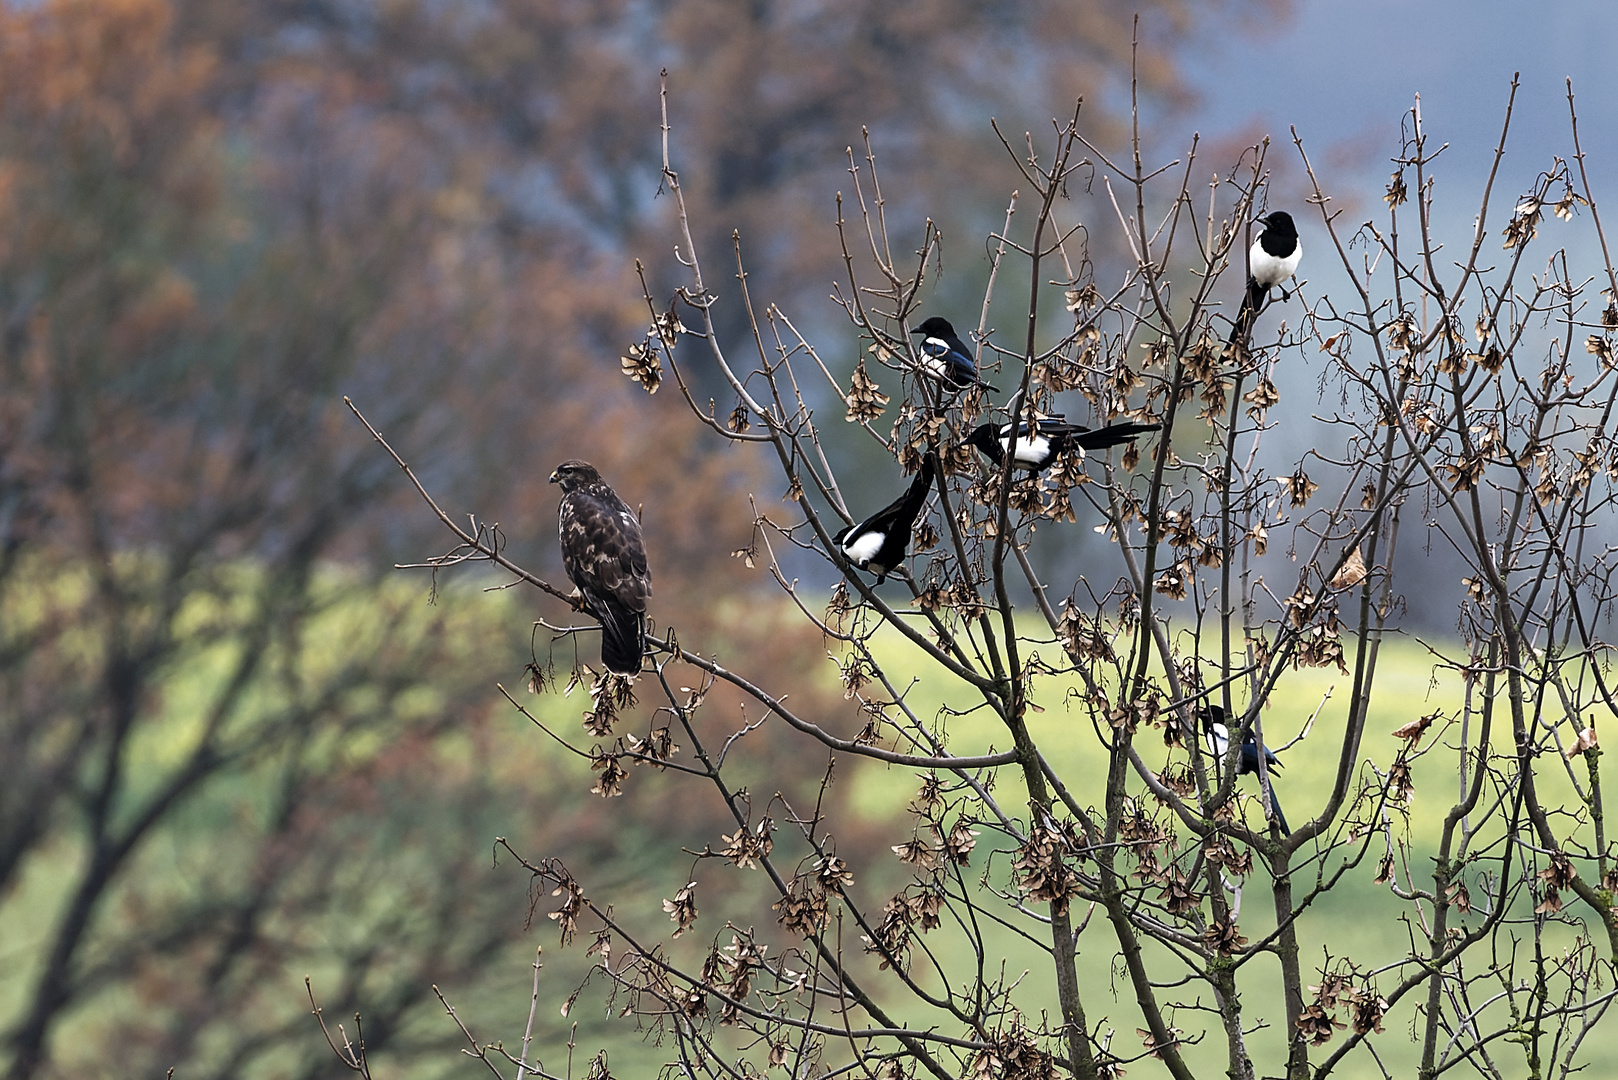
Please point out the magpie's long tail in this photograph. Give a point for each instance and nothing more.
(1112, 435)
(1252, 304)
(910, 509)
(1280, 818)
(623, 637)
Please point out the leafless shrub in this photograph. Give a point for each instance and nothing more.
(1474, 397)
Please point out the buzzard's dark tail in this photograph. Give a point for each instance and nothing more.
(1252, 303)
(1112, 435)
(623, 637)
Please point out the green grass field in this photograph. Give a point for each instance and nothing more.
(1359, 919)
(632, 864)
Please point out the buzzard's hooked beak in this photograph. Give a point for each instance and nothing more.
(554, 478)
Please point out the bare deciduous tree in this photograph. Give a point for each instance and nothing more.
(1469, 395)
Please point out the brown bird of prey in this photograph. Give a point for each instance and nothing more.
(606, 560)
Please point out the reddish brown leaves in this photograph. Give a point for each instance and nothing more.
(1415, 729)
(866, 402)
(643, 365)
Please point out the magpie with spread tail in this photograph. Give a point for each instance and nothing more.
(1214, 725)
(946, 356)
(605, 557)
(879, 542)
(1272, 259)
(1051, 437)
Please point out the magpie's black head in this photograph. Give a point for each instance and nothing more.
(982, 437)
(1281, 223)
(1214, 714)
(935, 327)
(575, 474)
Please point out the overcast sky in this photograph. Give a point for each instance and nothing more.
(1343, 72)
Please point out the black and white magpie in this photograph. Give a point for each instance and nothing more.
(1051, 437)
(946, 356)
(1272, 259)
(879, 542)
(1218, 732)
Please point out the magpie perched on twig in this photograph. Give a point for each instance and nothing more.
(1051, 437)
(1272, 259)
(606, 559)
(1214, 725)
(947, 357)
(879, 542)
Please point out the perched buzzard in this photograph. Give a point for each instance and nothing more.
(605, 558)
(1051, 437)
(878, 543)
(946, 355)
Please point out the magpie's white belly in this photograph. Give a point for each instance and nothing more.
(863, 548)
(935, 356)
(1270, 269)
(1030, 451)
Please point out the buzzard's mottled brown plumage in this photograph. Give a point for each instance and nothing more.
(606, 560)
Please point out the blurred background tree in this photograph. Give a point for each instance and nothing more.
(229, 753)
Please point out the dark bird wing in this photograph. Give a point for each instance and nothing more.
(894, 523)
(1249, 757)
(947, 355)
(605, 557)
(956, 365)
(1249, 764)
